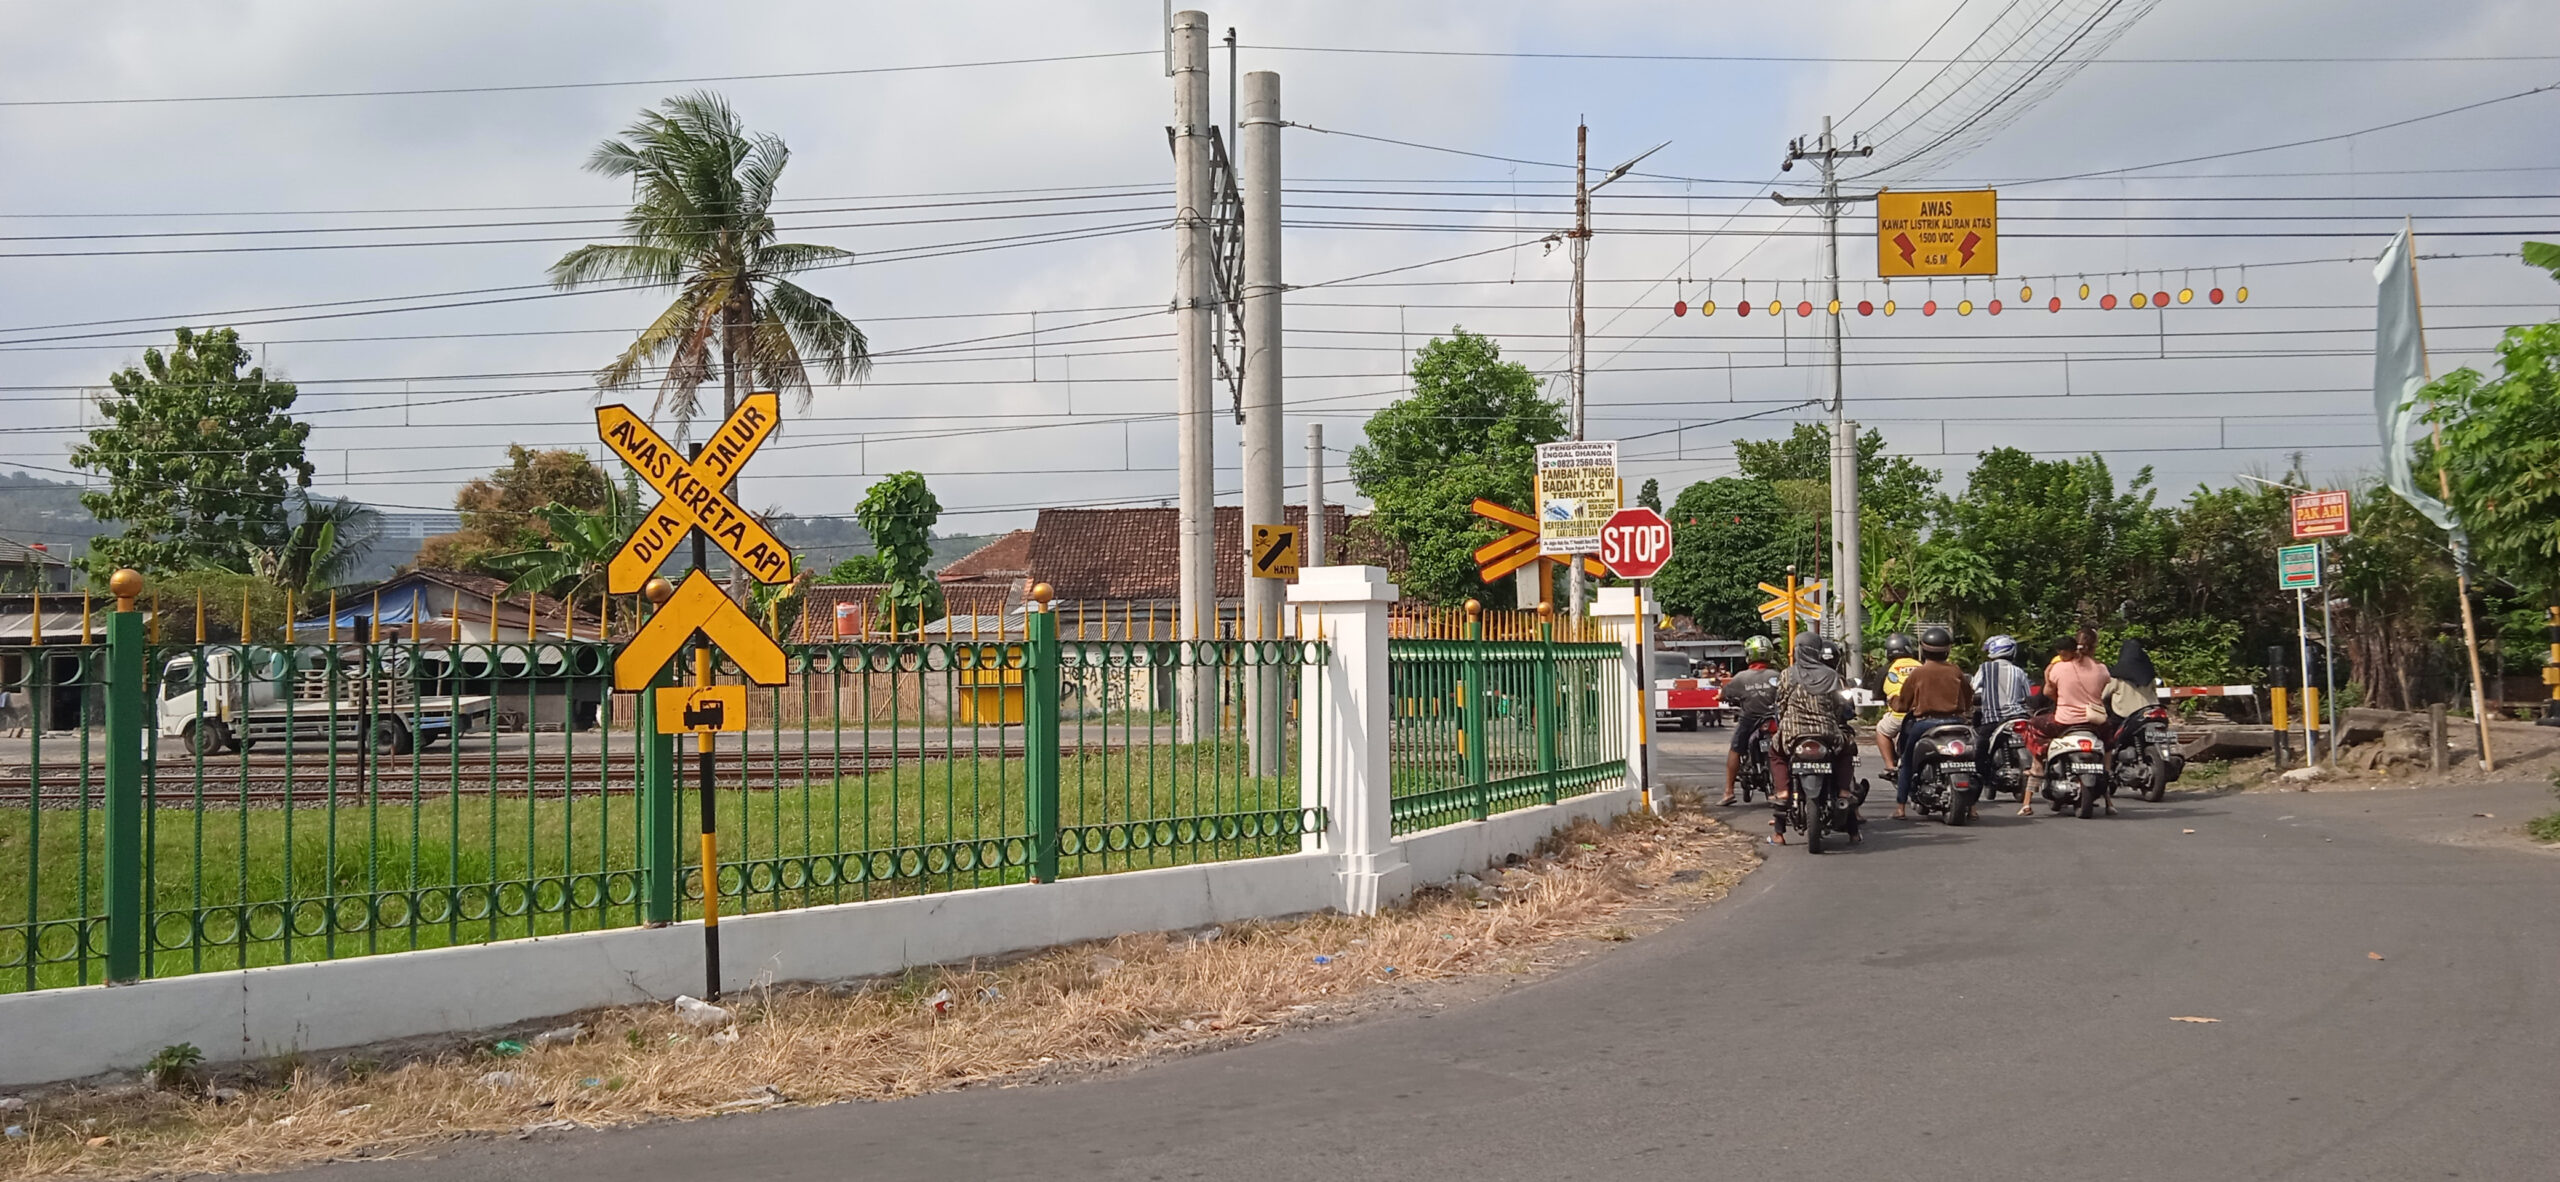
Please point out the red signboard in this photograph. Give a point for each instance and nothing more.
(1634, 543)
(2320, 515)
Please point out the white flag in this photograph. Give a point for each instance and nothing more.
(2399, 372)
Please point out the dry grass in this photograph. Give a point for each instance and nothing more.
(1061, 1011)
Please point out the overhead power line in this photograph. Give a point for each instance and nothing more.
(1855, 60)
(2303, 143)
(527, 87)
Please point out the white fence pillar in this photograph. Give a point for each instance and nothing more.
(1625, 614)
(1342, 758)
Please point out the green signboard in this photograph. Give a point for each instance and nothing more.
(2298, 567)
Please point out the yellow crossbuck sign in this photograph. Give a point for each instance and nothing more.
(1800, 602)
(690, 494)
(698, 603)
(1518, 548)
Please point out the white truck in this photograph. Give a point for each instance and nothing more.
(381, 695)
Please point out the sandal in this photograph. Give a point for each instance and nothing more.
(1726, 803)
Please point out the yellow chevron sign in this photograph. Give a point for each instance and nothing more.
(1518, 548)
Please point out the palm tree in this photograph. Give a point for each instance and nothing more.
(701, 223)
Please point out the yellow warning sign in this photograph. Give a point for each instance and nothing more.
(1274, 551)
(685, 709)
(1919, 235)
(690, 495)
(698, 603)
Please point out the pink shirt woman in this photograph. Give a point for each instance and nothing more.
(2079, 689)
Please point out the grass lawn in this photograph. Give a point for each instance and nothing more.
(268, 885)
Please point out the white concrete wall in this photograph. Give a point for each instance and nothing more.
(1436, 854)
(68, 1033)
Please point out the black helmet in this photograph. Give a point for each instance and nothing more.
(1936, 639)
(1898, 646)
(1826, 651)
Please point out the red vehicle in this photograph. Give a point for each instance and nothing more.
(1683, 697)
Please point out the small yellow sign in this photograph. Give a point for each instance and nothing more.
(686, 709)
(1274, 552)
(1919, 235)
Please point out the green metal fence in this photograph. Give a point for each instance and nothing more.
(1481, 726)
(285, 803)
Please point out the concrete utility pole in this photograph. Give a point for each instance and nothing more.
(1845, 582)
(1581, 251)
(1581, 236)
(1196, 612)
(1258, 170)
(1315, 555)
(1258, 182)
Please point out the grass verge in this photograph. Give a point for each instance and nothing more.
(397, 867)
(1050, 1014)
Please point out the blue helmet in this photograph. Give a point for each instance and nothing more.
(2001, 647)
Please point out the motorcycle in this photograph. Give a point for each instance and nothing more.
(2075, 772)
(2010, 759)
(1754, 776)
(1942, 774)
(2144, 756)
(1817, 804)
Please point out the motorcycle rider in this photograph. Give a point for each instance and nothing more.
(2078, 685)
(1753, 694)
(2000, 689)
(1811, 706)
(1901, 657)
(1933, 695)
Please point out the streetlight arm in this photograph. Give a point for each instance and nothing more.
(1621, 170)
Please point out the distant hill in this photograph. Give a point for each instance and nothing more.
(34, 509)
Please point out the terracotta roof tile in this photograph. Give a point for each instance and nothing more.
(1004, 559)
(1131, 554)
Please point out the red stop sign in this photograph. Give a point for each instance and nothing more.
(1634, 543)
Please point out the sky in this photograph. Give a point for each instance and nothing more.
(1025, 361)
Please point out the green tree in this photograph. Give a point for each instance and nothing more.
(1469, 429)
(1893, 491)
(701, 224)
(2071, 548)
(2500, 449)
(502, 512)
(1650, 496)
(899, 512)
(1728, 536)
(323, 540)
(859, 569)
(2396, 576)
(569, 559)
(199, 458)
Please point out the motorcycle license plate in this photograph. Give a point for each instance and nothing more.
(1806, 767)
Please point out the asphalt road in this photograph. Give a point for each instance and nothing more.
(1986, 1003)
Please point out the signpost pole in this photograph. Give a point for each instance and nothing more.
(2328, 656)
(710, 803)
(2302, 631)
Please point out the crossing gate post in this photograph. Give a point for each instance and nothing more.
(1471, 712)
(126, 735)
(1040, 677)
(661, 867)
(1546, 690)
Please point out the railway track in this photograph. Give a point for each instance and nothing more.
(268, 780)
